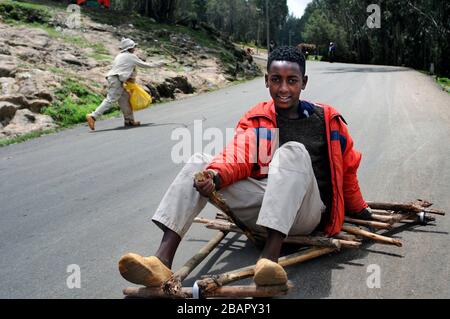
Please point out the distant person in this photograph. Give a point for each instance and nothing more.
(272, 46)
(332, 52)
(123, 69)
(308, 183)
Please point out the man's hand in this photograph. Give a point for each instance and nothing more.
(365, 214)
(205, 186)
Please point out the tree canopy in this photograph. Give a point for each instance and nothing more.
(413, 33)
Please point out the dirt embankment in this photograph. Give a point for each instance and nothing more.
(43, 57)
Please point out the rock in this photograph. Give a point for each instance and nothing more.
(58, 21)
(29, 37)
(26, 121)
(100, 27)
(181, 82)
(71, 59)
(21, 102)
(166, 90)
(17, 99)
(37, 84)
(150, 88)
(36, 105)
(8, 86)
(28, 54)
(45, 95)
(16, 43)
(170, 85)
(8, 66)
(5, 50)
(7, 111)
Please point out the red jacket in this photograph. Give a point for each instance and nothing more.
(238, 160)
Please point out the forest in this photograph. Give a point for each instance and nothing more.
(411, 33)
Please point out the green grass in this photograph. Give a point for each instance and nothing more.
(99, 48)
(100, 53)
(74, 101)
(25, 12)
(227, 57)
(444, 82)
(100, 57)
(56, 70)
(315, 57)
(25, 137)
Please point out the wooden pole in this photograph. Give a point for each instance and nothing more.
(301, 240)
(413, 207)
(368, 223)
(217, 201)
(394, 218)
(213, 282)
(382, 212)
(378, 238)
(347, 237)
(322, 242)
(226, 291)
(173, 285)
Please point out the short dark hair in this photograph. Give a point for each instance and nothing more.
(287, 53)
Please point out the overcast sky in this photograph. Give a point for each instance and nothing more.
(297, 7)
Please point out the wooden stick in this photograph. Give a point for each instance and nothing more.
(222, 216)
(227, 291)
(173, 285)
(368, 223)
(322, 242)
(217, 201)
(201, 220)
(225, 227)
(218, 225)
(412, 207)
(213, 282)
(373, 236)
(382, 212)
(394, 218)
(302, 240)
(347, 237)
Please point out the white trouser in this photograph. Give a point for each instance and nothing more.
(288, 200)
(116, 93)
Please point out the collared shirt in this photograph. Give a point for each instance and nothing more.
(124, 66)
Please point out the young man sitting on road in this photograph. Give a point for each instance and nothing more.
(306, 184)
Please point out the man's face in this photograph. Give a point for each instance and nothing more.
(285, 82)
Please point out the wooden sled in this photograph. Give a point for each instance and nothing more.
(386, 216)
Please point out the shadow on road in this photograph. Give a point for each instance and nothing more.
(312, 279)
(123, 128)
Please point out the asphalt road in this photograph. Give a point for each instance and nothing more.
(85, 198)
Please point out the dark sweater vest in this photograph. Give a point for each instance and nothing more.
(311, 133)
